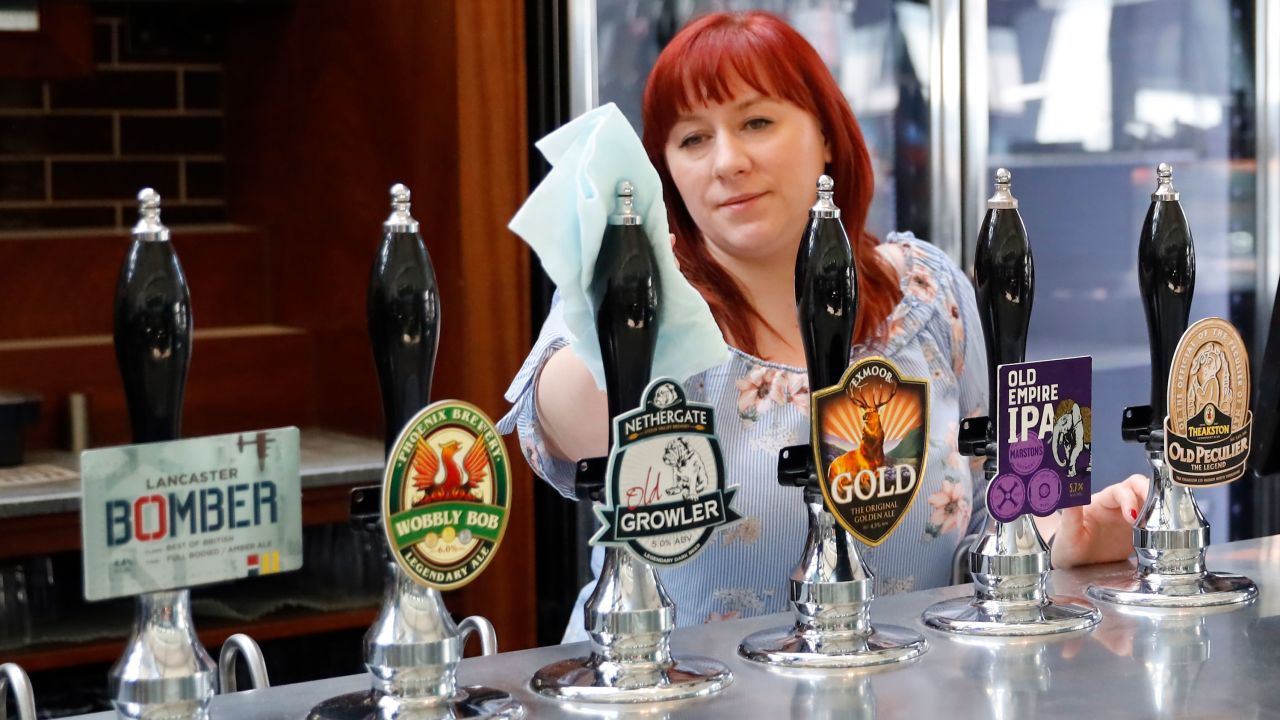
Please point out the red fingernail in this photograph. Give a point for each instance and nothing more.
(1133, 514)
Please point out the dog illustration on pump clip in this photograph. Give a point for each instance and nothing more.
(686, 465)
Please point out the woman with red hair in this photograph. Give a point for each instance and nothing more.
(741, 116)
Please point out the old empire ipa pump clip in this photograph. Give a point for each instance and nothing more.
(165, 671)
(629, 617)
(414, 647)
(1170, 536)
(1009, 561)
(831, 588)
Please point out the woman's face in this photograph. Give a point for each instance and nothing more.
(747, 170)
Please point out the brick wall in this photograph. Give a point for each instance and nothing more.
(73, 153)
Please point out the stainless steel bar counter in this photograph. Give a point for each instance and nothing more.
(1184, 664)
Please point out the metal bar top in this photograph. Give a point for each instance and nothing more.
(1135, 664)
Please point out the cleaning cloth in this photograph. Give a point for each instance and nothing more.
(564, 221)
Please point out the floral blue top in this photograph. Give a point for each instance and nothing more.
(934, 332)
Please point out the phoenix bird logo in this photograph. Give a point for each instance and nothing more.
(443, 476)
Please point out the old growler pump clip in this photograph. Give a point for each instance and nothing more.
(629, 616)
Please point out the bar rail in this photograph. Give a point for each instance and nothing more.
(1136, 664)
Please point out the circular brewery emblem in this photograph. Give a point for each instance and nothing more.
(665, 492)
(1209, 423)
(446, 494)
(1006, 497)
(1043, 491)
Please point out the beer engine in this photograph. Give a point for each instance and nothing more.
(413, 648)
(1170, 535)
(1009, 561)
(165, 671)
(23, 697)
(629, 616)
(831, 589)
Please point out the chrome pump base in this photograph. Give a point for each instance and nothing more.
(808, 648)
(1170, 538)
(629, 618)
(468, 702)
(165, 671)
(831, 593)
(1010, 564)
(412, 651)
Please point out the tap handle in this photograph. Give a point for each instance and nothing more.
(826, 289)
(625, 289)
(404, 317)
(152, 327)
(1004, 277)
(1167, 277)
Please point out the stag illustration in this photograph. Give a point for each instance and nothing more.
(871, 397)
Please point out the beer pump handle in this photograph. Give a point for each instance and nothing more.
(625, 289)
(1167, 277)
(152, 327)
(826, 290)
(404, 316)
(1004, 278)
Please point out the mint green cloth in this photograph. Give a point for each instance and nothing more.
(564, 221)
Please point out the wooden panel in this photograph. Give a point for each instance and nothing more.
(328, 105)
(226, 270)
(495, 298)
(239, 379)
(62, 47)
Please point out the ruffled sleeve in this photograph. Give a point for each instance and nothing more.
(523, 393)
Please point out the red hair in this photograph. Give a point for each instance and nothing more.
(775, 60)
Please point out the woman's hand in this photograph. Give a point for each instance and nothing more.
(1101, 531)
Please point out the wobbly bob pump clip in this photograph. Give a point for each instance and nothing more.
(443, 504)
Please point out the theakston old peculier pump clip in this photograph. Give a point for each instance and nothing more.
(1009, 561)
(629, 617)
(1170, 535)
(165, 671)
(413, 649)
(831, 588)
